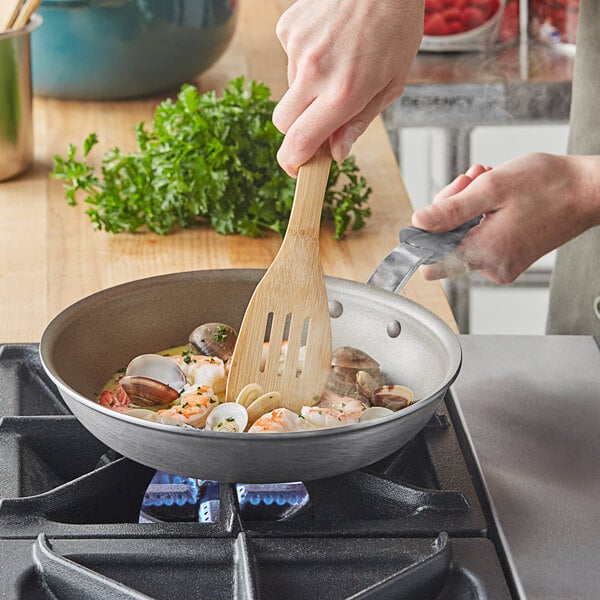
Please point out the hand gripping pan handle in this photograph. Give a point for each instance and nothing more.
(417, 247)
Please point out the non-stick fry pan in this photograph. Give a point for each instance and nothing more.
(89, 341)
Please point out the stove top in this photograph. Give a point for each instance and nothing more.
(414, 525)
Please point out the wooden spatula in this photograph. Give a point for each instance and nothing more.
(290, 305)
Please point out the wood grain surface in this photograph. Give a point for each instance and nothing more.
(50, 255)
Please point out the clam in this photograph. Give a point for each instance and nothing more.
(366, 385)
(152, 379)
(157, 367)
(347, 361)
(229, 416)
(214, 339)
(375, 412)
(144, 391)
(394, 397)
(249, 394)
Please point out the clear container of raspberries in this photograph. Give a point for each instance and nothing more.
(461, 25)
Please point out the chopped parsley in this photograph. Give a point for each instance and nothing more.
(220, 334)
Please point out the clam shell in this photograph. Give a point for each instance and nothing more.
(229, 417)
(375, 412)
(214, 339)
(366, 385)
(157, 367)
(346, 361)
(266, 403)
(147, 392)
(249, 394)
(394, 397)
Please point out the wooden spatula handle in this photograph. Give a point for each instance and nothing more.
(305, 217)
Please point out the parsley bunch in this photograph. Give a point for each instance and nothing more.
(205, 158)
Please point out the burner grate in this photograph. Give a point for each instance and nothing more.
(248, 568)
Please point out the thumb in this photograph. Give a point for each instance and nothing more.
(452, 211)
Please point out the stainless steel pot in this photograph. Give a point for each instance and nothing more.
(93, 338)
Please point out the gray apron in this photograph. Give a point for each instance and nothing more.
(575, 286)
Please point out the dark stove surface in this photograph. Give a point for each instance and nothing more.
(409, 526)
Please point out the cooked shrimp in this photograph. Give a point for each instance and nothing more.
(202, 370)
(323, 418)
(352, 407)
(282, 357)
(193, 406)
(278, 421)
(115, 400)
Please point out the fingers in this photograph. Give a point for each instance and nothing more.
(346, 62)
(342, 140)
(306, 133)
(290, 107)
(466, 197)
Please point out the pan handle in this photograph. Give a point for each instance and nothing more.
(417, 247)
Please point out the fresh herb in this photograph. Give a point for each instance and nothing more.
(205, 158)
(220, 334)
(187, 359)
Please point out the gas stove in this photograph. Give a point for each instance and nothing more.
(78, 521)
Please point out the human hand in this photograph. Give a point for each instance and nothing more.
(347, 61)
(531, 205)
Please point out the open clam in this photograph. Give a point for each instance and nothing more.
(346, 364)
(214, 339)
(152, 379)
(394, 397)
(229, 416)
(366, 385)
(375, 412)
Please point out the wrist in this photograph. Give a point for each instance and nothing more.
(587, 189)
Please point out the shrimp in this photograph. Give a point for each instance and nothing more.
(278, 421)
(202, 370)
(116, 400)
(282, 357)
(193, 406)
(352, 407)
(322, 418)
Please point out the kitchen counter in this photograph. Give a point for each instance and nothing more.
(530, 406)
(50, 255)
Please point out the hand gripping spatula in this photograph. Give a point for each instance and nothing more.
(289, 307)
(417, 247)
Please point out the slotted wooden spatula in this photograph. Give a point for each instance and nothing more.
(289, 306)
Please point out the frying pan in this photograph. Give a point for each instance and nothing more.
(89, 341)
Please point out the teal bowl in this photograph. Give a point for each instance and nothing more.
(114, 49)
